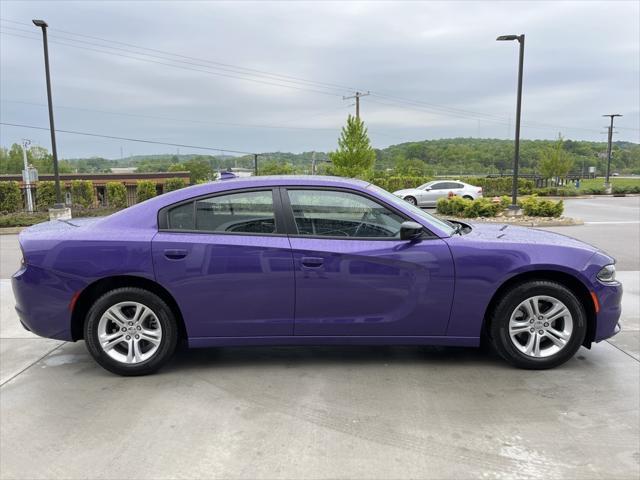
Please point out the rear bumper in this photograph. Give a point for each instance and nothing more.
(42, 301)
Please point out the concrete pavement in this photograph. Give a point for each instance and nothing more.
(338, 412)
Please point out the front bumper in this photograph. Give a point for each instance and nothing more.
(608, 318)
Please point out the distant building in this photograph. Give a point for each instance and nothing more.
(238, 172)
(100, 180)
(123, 169)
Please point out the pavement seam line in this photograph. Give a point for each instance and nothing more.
(31, 365)
(617, 348)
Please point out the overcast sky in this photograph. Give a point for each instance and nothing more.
(434, 70)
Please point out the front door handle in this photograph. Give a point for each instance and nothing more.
(312, 262)
(175, 254)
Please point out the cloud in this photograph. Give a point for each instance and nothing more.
(582, 59)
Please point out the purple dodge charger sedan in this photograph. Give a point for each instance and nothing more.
(302, 261)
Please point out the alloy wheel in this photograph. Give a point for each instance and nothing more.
(540, 326)
(129, 332)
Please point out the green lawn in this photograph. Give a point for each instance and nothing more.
(615, 181)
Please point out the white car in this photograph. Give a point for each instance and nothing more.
(428, 194)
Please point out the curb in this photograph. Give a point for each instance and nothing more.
(11, 230)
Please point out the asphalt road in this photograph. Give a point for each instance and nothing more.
(337, 412)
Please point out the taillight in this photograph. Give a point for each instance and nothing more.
(480, 190)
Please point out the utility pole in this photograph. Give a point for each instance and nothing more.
(255, 164)
(26, 174)
(607, 184)
(313, 162)
(357, 97)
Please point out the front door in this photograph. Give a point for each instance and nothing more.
(228, 264)
(354, 276)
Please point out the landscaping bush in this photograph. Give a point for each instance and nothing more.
(569, 191)
(535, 207)
(45, 195)
(391, 184)
(493, 186)
(462, 207)
(592, 190)
(10, 197)
(623, 189)
(116, 195)
(174, 184)
(82, 193)
(146, 189)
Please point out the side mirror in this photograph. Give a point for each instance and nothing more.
(426, 189)
(410, 231)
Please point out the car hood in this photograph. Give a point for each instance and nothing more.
(505, 233)
(408, 191)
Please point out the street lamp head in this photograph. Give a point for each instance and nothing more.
(614, 115)
(40, 23)
(507, 37)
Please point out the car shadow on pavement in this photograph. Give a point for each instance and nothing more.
(288, 356)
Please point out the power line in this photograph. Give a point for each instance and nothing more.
(156, 117)
(209, 72)
(221, 64)
(129, 139)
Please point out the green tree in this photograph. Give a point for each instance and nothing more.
(174, 184)
(145, 190)
(10, 197)
(116, 195)
(82, 193)
(355, 156)
(555, 161)
(199, 169)
(275, 168)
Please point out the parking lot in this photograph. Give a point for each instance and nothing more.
(330, 412)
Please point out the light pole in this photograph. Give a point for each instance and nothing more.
(607, 183)
(54, 151)
(516, 157)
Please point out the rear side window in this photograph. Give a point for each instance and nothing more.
(242, 212)
(342, 214)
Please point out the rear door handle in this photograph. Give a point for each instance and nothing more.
(175, 254)
(312, 262)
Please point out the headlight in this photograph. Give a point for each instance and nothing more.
(607, 274)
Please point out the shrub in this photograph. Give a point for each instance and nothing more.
(45, 195)
(82, 193)
(462, 207)
(493, 186)
(174, 184)
(535, 207)
(592, 190)
(116, 195)
(391, 184)
(10, 197)
(569, 191)
(146, 189)
(620, 189)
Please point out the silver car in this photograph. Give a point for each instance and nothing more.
(428, 194)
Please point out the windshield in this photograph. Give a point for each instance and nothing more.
(391, 198)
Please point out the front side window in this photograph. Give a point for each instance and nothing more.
(242, 212)
(342, 214)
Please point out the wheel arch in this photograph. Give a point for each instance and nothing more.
(573, 283)
(94, 290)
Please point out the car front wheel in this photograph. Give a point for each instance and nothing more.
(538, 325)
(411, 200)
(130, 331)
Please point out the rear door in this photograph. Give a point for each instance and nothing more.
(227, 261)
(354, 276)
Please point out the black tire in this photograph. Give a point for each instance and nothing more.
(499, 324)
(411, 200)
(164, 316)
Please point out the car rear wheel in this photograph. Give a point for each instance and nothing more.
(411, 200)
(130, 331)
(468, 197)
(538, 325)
